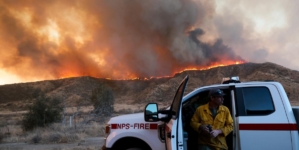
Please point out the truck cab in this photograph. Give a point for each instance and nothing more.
(262, 114)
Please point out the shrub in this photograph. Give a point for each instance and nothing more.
(1, 137)
(44, 111)
(102, 99)
(36, 138)
(54, 137)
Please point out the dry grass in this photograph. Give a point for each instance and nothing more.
(55, 133)
(129, 109)
(83, 126)
(126, 108)
(294, 103)
(11, 133)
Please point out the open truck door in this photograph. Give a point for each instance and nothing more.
(174, 138)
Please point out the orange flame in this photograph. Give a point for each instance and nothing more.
(90, 38)
(214, 65)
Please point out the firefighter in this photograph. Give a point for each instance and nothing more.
(213, 122)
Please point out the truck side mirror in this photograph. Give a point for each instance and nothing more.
(151, 112)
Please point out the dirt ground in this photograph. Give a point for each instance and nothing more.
(90, 143)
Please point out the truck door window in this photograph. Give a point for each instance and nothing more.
(254, 101)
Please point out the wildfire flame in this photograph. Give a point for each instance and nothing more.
(106, 39)
(214, 65)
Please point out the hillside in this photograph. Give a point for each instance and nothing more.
(77, 90)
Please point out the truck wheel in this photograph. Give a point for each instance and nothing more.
(130, 144)
(136, 148)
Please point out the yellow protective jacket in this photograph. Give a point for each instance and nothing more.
(222, 121)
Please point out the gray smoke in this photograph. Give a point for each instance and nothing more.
(110, 38)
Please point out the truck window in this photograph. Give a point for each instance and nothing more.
(253, 101)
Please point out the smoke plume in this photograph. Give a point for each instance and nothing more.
(107, 38)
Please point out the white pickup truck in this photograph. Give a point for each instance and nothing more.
(262, 114)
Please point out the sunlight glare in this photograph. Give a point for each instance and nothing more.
(7, 78)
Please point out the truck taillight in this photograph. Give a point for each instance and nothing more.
(107, 130)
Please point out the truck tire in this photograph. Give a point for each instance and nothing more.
(131, 143)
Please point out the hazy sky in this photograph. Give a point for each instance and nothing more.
(131, 38)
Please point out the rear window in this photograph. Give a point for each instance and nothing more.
(253, 101)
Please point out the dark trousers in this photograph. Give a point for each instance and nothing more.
(207, 147)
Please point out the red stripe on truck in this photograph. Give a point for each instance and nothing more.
(145, 126)
(153, 126)
(268, 127)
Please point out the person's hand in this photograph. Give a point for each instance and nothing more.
(204, 129)
(215, 133)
